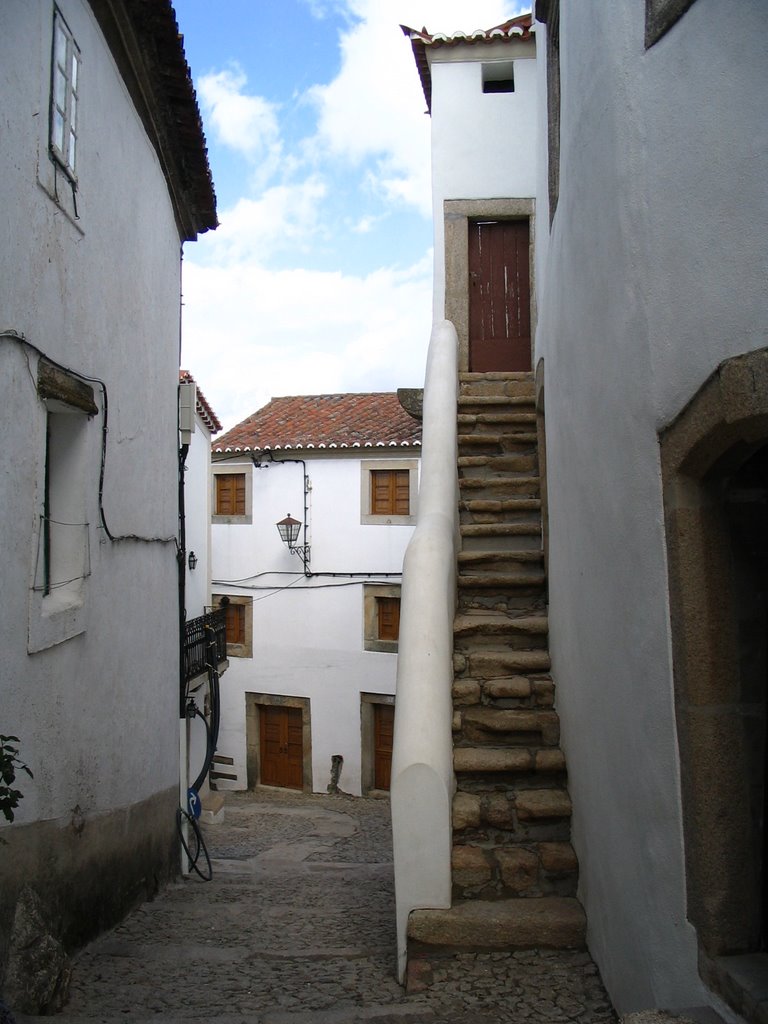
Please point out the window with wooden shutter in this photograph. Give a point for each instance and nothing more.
(388, 612)
(235, 619)
(390, 492)
(230, 494)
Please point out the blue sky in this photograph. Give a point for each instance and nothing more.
(319, 278)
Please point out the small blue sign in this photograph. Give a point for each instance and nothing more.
(193, 803)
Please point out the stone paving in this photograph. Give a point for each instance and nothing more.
(297, 927)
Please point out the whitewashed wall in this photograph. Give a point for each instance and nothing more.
(197, 498)
(308, 633)
(475, 155)
(97, 714)
(654, 273)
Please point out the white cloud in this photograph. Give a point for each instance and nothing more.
(251, 333)
(254, 230)
(375, 105)
(245, 123)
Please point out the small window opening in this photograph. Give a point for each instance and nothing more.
(65, 73)
(499, 76)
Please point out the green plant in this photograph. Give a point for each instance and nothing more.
(10, 764)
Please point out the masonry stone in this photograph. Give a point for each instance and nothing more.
(519, 869)
(466, 811)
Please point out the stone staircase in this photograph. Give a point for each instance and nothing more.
(514, 869)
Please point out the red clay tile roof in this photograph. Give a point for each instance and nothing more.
(520, 27)
(204, 410)
(370, 420)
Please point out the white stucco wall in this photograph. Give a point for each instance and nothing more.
(197, 501)
(653, 274)
(308, 633)
(482, 144)
(97, 714)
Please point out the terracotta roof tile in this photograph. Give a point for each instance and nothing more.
(366, 420)
(204, 410)
(520, 27)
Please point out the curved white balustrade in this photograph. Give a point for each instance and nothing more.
(422, 781)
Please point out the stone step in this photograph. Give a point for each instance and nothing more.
(487, 420)
(495, 445)
(500, 505)
(498, 625)
(546, 922)
(523, 529)
(470, 561)
(511, 811)
(513, 402)
(529, 691)
(508, 693)
(498, 487)
(528, 869)
(525, 465)
(510, 726)
(522, 414)
(520, 593)
(509, 760)
(495, 664)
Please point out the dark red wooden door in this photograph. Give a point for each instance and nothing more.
(282, 747)
(383, 731)
(499, 296)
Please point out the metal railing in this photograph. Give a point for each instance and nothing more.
(197, 638)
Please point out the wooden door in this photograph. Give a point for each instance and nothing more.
(282, 747)
(383, 731)
(499, 296)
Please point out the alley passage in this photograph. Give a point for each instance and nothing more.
(297, 927)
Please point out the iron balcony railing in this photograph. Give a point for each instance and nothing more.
(197, 639)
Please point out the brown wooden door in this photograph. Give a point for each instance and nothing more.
(383, 730)
(499, 296)
(282, 747)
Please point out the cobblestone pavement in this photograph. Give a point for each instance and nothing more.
(297, 927)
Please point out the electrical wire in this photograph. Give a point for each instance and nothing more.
(19, 338)
(199, 845)
(320, 586)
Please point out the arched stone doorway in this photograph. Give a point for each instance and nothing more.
(714, 461)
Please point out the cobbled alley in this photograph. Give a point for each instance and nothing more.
(297, 927)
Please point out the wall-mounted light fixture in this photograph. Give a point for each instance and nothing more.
(288, 529)
(192, 560)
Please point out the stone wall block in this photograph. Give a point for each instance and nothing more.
(498, 810)
(542, 803)
(470, 866)
(466, 811)
(513, 686)
(519, 869)
(558, 858)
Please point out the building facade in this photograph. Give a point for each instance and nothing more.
(105, 176)
(648, 308)
(312, 624)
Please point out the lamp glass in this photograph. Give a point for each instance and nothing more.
(288, 529)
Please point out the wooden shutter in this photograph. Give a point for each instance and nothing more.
(390, 492)
(230, 494)
(383, 731)
(235, 616)
(388, 609)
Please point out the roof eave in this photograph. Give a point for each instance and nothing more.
(144, 39)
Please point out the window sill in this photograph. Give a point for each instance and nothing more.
(381, 646)
(232, 520)
(55, 618)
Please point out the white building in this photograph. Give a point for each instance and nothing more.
(312, 632)
(651, 343)
(197, 501)
(104, 177)
(649, 329)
